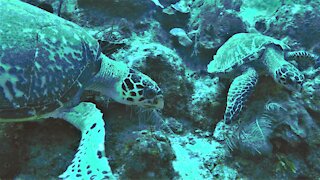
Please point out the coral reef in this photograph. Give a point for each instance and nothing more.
(275, 137)
(209, 95)
(299, 22)
(154, 59)
(146, 156)
(282, 130)
(203, 155)
(39, 159)
(311, 94)
(211, 24)
(9, 150)
(65, 9)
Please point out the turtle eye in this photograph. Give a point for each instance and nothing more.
(149, 93)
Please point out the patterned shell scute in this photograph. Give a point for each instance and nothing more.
(44, 60)
(241, 48)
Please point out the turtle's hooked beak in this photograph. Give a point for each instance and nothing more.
(159, 102)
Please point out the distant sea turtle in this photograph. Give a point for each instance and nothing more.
(46, 63)
(245, 56)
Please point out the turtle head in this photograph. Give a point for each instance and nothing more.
(290, 77)
(139, 89)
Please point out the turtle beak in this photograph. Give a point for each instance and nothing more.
(159, 102)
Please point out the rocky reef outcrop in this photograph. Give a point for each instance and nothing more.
(277, 135)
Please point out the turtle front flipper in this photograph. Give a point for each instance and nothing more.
(239, 91)
(303, 58)
(90, 161)
(298, 55)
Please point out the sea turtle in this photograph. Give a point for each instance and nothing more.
(245, 56)
(46, 63)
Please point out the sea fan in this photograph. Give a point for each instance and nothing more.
(252, 137)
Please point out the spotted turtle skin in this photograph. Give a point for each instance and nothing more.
(44, 62)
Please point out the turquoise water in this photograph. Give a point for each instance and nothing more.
(155, 89)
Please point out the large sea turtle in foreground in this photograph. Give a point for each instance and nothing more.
(46, 63)
(243, 58)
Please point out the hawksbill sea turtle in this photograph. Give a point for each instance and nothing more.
(46, 63)
(244, 57)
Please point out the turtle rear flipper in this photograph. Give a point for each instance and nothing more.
(238, 94)
(90, 161)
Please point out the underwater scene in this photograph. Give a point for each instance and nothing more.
(160, 89)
